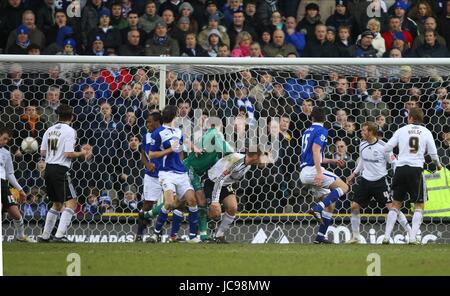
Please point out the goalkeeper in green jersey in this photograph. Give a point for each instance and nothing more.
(212, 146)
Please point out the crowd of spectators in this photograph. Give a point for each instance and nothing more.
(111, 102)
(222, 28)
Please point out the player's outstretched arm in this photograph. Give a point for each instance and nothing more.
(355, 172)
(158, 154)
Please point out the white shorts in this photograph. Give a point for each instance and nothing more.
(178, 183)
(152, 188)
(307, 176)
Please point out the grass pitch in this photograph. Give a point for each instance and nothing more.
(232, 259)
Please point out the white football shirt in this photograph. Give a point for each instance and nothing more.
(57, 140)
(7, 168)
(373, 160)
(413, 142)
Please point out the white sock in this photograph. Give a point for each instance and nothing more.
(416, 221)
(66, 219)
(404, 222)
(390, 222)
(227, 219)
(356, 221)
(50, 221)
(18, 224)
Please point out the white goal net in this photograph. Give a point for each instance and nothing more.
(112, 97)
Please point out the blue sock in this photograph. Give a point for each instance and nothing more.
(327, 221)
(176, 222)
(162, 218)
(193, 221)
(332, 197)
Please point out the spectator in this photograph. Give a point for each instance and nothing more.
(53, 78)
(301, 87)
(186, 10)
(98, 47)
(276, 22)
(309, 22)
(444, 24)
(169, 18)
(250, 13)
(319, 46)
(278, 47)
(225, 106)
(44, 16)
(161, 43)
(407, 24)
(276, 102)
(224, 51)
(384, 128)
(48, 109)
(30, 125)
(111, 37)
(342, 17)
(96, 81)
(105, 203)
(34, 49)
(430, 24)
(115, 77)
(209, 10)
(401, 119)
(363, 47)
(444, 146)
(341, 119)
(87, 107)
(91, 206)
(373, 107)
(127, 101)
(213, 24)
(132, 47)
(242, 47)
(117, 20)
(130, 171)
(395, 53)
(396, 32)
(89, 18)
(22, 41)
(133, 25)
(172, 5)
(182, 31)
(438, 98)
(239, 25)
(192, 49)
(298, 39)
(244, 101)
(230, 8)
(129, 204)
(255, 50)
(13, 109)
(69, 48)
(331, 34)
(361, 91)
(10, 19)
(420, 11)
(34, 34)
(58, 32)
(127, 128)
(149, 19)
(378, 41)
(15, 79)
(304, 114)
(431, 48)
(214, 42)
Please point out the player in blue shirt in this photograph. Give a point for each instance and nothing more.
(166, 144)
(152, 188)
(314, 141)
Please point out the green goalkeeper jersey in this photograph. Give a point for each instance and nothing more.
(213, 144)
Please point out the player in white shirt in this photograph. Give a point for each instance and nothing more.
(413, 141)
(57, 147)
(7, 175)
(219, 190)
(373, 182)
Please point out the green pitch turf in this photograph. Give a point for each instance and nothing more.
(232, 259)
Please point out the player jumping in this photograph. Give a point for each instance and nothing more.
(373, 182)
(314, 141)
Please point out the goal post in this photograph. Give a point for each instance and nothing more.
(268, 99)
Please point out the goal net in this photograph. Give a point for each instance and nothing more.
(112, 97)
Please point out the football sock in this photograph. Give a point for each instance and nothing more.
(50, 221)
(332, 197)
(193, 221)
(227, 219)
(155, 210)
(356, 221)
(390, 222)
(64, 222)
(142, 225)
(176, 222)
(404, 222)
(18, 224)
(416, 221)
(202, 220)
(327, 221)
(162, 218)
